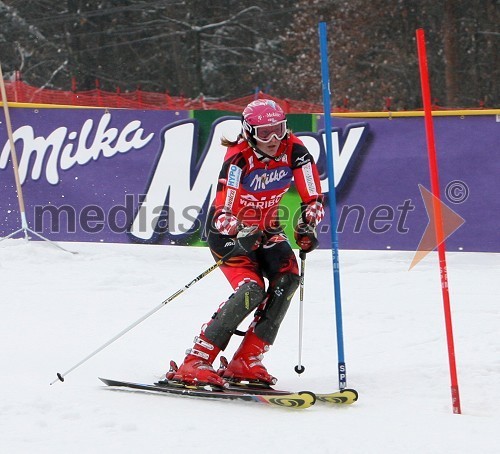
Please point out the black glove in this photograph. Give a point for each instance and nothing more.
(249, 238)
(306, 237)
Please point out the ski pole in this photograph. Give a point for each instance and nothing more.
(299, 368)
(325, 82)
(60, 377)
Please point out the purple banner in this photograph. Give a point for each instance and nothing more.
(381, 207)
(147, 176)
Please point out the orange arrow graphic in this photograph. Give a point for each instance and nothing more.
(451, 221)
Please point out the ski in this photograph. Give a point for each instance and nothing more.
(299, 400)
(343, 397)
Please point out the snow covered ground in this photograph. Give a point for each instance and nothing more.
(56, 308)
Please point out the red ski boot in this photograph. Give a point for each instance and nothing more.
(246, 363)
(197, 370)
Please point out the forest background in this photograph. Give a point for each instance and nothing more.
(223, 49)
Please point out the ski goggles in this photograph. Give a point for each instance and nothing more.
(266, 133)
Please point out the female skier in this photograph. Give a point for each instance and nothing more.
(258, 169)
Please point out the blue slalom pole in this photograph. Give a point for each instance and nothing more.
(325, 77)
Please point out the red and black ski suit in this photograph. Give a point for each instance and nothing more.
(249, 192)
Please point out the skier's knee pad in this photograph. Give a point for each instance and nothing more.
(288, 281)
(231, 313)
(280, 296)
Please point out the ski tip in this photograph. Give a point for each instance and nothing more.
(345, 396)
(300, 400)
(311, 398)
(352, 392)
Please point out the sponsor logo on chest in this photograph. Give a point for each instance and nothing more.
(269, 179)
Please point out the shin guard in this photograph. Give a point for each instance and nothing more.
(226, 320)
(268, 320)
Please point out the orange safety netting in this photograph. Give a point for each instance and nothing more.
(18, 91)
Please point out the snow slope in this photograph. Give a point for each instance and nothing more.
(56, 308)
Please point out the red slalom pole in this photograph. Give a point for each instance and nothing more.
(438, 219)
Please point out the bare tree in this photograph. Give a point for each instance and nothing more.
(229, 48)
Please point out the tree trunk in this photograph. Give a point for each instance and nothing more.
(450, 47)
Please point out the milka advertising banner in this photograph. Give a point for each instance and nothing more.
(126, 176)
